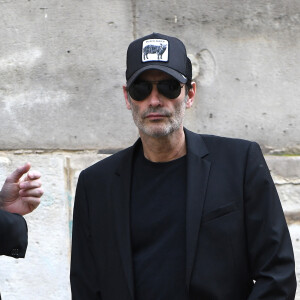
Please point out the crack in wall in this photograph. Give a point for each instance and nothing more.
(133, 8)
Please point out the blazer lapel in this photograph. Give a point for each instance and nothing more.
(121, 203)
(197, 179)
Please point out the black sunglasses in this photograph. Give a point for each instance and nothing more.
(140, 89)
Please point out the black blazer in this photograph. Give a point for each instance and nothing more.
(236, 232)
(13, 235)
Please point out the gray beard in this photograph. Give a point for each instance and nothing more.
(175, 120)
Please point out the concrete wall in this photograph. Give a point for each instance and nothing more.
(62, 66)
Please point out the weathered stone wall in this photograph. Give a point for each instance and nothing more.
(62, 66)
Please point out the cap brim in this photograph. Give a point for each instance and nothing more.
(181, 78)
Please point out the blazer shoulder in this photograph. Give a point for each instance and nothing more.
(215, 140)
(233, 149)
(219, 145)
(109, 163)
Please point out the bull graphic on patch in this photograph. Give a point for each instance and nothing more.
(155, 50)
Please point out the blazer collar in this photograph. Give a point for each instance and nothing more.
(121, 203)
(197, 179)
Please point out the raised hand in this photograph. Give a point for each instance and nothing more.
(21, 191)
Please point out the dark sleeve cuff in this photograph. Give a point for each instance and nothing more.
(13, 235)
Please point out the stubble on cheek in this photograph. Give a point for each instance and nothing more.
(158, 128)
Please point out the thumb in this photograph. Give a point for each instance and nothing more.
(19, 172)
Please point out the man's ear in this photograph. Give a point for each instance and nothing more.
(125, 92)
(191, 95)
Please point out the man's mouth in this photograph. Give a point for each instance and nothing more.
(155, 116)
(151, 114)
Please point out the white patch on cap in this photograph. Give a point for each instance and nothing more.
(155, 50)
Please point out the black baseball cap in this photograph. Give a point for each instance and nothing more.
(160, 52)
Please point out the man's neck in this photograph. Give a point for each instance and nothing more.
(165, 148)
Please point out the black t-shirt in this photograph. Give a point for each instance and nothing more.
(158, 228)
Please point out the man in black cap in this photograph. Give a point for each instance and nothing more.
(178, 215)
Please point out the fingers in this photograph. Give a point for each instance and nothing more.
(32, 202)
(34, 191)
(18, 173)
(27, 185)
(32, 175)
(30, 188)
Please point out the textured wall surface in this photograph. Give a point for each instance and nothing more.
(62, 66)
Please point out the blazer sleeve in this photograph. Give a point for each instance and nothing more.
(13, 235)
(83, 274)
(271, 255)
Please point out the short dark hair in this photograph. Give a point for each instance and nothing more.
(188, 86)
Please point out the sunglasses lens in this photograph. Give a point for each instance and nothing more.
(169, 88)
(140, 90)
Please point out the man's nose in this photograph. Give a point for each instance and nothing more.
(155, 97)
